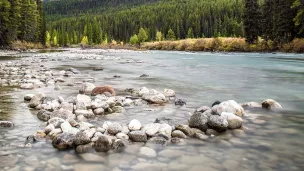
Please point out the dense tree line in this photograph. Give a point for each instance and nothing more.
(21, 20)
(277, 20)
(174, 19)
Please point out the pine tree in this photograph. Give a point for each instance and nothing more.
(251, 21)
(299, 19)
(142, 35)
(159, 36)
(170, 35)
(28, 25)
(4, 22)
(14, 19)
(41, 30)
(190, 33)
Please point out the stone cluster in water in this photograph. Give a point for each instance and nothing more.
(66, 119)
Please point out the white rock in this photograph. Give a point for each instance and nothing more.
(234, 121)
(134, 125)
(230, 106)
(143, 91)
(81, 98)
(106, 124)
(169, 92)
(270, 103)
(151, 129)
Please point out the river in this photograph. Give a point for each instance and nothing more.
(272, 140)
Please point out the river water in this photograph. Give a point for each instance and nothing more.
(270, 140)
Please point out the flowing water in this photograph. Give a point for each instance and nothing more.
(271, 140)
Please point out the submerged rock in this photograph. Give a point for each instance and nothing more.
(167, 120)
(103, 143)
(179, 102)
(6, 124)
(270, 104)
(138, 136)
(64, 141)
(84, 148)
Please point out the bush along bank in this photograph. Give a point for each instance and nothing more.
(225, 45)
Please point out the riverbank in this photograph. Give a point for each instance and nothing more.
(224, 45)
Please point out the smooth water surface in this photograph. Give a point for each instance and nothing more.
(270, 140)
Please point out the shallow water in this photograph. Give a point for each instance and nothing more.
(270, 140)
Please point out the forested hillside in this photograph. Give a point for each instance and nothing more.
(194, 18)
(21, 20)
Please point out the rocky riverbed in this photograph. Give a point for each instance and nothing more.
(70, 118)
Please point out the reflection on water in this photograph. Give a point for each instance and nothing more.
(269, 141)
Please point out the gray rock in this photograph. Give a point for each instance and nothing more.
(158, 140)
(178, 134)
(121, 135)
(201, 136)
(103, 143)
(178, 141)
(270, 104)
(212, 132)
(185, 129)
(155, 98)
(114, 128)
(165, 129)
(97, 103)
(106, 124)
(82, 138)
(49, 128)
(27, 86)
(134, 125)
(120, 144)
(138, 136)
(56, 122)
(99, 111)
(6, 124)
(85, 113)
(81, 98)
(234, 121)
(90, 132)
(86, 88)
(199, 120)
(44, 115)
(28, 97)
(64, 141)
(218, 123)
(64, 114)
(84, 148)
(36, 100)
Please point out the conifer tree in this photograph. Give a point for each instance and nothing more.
(251, 21)
(4, 22)
(14, 19)
(170, 35)
(190, 33)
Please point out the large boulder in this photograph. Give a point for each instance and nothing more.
(103, 144)
(138, 136)
(199, 120)
(114, 128)
(218, 123)
(234, 121)
(270, 104)
(64, 141)
(36, 100)
(86, 88)
(230, 106)
(134, 125)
